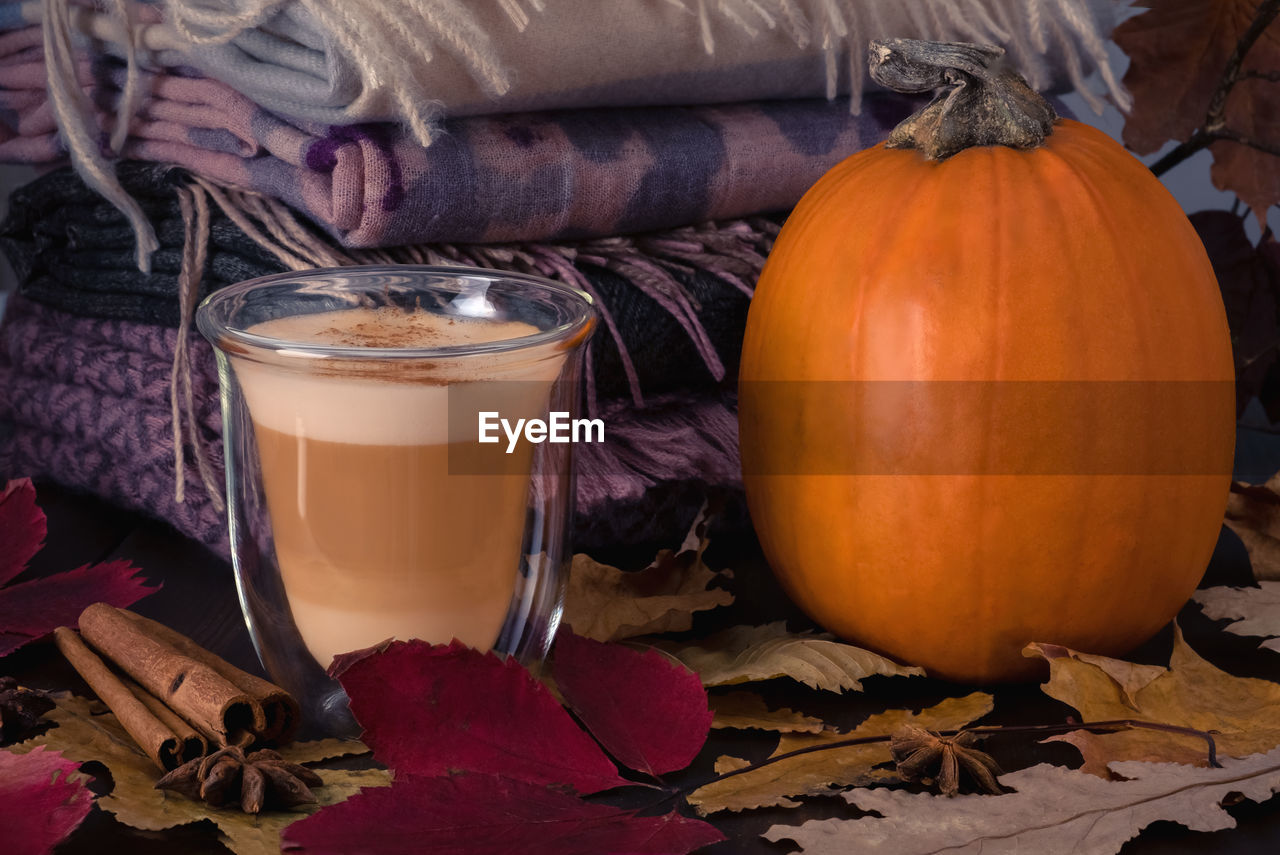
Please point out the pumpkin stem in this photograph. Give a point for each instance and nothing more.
(984, 102)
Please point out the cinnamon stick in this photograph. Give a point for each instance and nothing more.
(281, 710)
(190, 743)
(212, 704)
(152, 735)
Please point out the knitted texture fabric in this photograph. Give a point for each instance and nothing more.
(72, 250)
(85, 403)
(516, 177)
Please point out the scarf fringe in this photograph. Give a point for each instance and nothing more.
(387, 51)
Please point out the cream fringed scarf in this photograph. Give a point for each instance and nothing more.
(415, 61)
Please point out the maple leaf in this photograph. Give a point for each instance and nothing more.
(1191, 693)
(1253, 513)
(607, 604)
(816, 772)
(35, 608)
(489, 815)
(744, 654)
(429, 710)
(651, 714)
(1178, 52)
(1249, 278)
(748, 711)
(1055, 811)
(82, 736)
(1256, 611)
(42, 800)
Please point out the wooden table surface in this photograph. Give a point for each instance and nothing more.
(199, 599)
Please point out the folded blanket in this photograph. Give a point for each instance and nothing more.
(519, 177)
(341, 63)
(85, 403)
(676, 301)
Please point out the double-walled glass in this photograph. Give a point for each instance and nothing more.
(362, 503)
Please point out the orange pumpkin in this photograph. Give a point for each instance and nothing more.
(986, 395)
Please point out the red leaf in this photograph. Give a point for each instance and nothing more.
(650, 713)
(432, 710)
(488, 815)
(34, 609)
(22, 528)
(40, 803)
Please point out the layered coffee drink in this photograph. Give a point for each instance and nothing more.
(374, 535)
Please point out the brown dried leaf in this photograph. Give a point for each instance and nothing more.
(1256, 611)
(84, 736)
(744, 654)
(725, 763)
(1253, 513)
(1091, 748)
(1178, 50)
(748, 711)
(1249, 278)
(818, 772)
(607, 604)
(1191, 693)
(1055, 811)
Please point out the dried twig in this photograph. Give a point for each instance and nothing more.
(1214, 127)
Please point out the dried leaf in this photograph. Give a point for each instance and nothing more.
(815, 773)
(725, 763)
(1178, 50)
(1091, 747)
(33, 609)
(650, 713)
(1055, 811)
(321, 749)
(1256, 611)
(43, 798)
(473, 813)
(83, 736)
(1249, 278)
(748, 711)
(743, 654)
(1190, 693)
(607, 604)
(1253, 513)
(431, 710)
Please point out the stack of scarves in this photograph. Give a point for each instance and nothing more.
(650, 166)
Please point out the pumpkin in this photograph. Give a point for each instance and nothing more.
(986, 390)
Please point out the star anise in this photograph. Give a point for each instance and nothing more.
(20, 710)
(929, 758)
(258, 779)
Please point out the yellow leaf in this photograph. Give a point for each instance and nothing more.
(83, 736)
(748, 711)
(743, 654)
(608, 604)
(1253, 513)
(1191, 693)
(775, 781)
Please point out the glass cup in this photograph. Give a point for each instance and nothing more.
(362, 503)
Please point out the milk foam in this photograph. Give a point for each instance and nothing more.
(324, 404)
